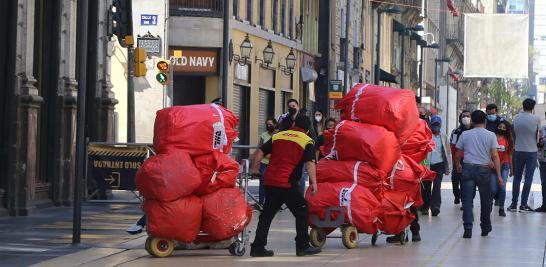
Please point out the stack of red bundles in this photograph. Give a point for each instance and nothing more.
(372, 165)
(189, 186)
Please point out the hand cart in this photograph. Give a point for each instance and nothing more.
(162, 247)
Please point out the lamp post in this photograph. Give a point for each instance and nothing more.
(394, 10)
(417, 28)
(436, 61)
(290, 63)
(268, 54)
(432, 45)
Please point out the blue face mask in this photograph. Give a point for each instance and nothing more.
(435, 128)
(492, 117)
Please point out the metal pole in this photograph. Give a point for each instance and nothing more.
(402, 84)
(82, 24)
(346, 56)
(377, 76)
(435, 81)
(130, 94)
(421, 74)
(225, 54)
(447, 102)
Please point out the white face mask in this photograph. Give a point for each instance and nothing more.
(465, 121)
(318, 118)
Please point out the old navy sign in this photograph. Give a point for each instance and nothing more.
(194, 60)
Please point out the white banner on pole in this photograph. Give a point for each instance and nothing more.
(496, 46)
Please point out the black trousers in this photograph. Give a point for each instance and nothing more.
(432, 191)
(274, 198)
(414, 226)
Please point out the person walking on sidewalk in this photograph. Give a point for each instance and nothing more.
(542, 166)
(506, 148)
(264, 137)
(493, 119)
(289, 150)
(464, 125)
(526, 126)
(440, 162)
(480, 147)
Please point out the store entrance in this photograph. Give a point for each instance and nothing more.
(188, 90)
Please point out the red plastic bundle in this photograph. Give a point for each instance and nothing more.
(420, 143)
(167, 177)
(394, 109)
(333, 171)
(225, 214)
(360, 205)
(421, 172)
(200, 129)
(217, 171)
(405, 180)
(177, 220)
(395, 215)
(357, 141)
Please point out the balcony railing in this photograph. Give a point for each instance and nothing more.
(196, 8)
(455, 32)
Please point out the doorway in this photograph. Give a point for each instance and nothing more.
(188, 90)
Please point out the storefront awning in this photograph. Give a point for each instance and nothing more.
(415, 36)
(387, 77)
(397, 26)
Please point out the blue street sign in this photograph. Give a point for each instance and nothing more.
(148, 20)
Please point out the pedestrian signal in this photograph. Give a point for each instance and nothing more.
(162, 78)
(163, 66)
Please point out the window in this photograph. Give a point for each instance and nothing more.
(283, 17)
(236, 8)
(275, 10)
(249, 8)
(342, 51)
(262, 13)
(291, 19)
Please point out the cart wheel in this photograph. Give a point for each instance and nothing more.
(237, 249)
(374, 238)
(349, 237)
(317, 237)
(403, 237)
(159, 247)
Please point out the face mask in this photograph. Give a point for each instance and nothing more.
(270, 128)
(465, 121)
(292, 111)
(435, 128)
(492, 117)
(318, 118)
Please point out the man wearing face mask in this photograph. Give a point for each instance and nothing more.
(440, 162)
(286, 121)
(493, 119)
(464, 125)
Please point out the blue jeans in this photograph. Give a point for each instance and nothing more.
(494, 183)
(527, 161)
(476, 175)
(261, 192)
(304, 177)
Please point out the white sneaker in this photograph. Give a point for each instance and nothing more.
(135, 229)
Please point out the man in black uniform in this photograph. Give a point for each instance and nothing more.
(289, 150)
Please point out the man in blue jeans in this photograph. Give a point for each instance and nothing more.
(526, 126)
(480, 152)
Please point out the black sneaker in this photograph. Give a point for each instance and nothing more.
(467, 234)
(485, 232)
(502, 213)
(541, 209)
(308, 251)
(525, 209)
(415, 237)
(261, 253)
(457, 201)
(512, 208)
(393, 239)
(435, 212)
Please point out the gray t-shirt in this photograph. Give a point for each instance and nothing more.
(526, 126)
(477, 144)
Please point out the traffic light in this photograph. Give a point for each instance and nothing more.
(140, 62)
(122, 21)
(163, 76)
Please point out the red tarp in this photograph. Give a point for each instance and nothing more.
(334, 171)
(217, 171)
(420, 143)
(395, 214)
(178, 220)
(394, 109)
(360, 205)
(200, 129)
(351, 140)
(225, 214)
(167, 177)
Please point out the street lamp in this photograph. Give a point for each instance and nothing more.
(424, 45)
(268, 54)
(246, 49)
(394, 10)
(290, 63)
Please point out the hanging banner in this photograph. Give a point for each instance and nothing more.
(496, 46)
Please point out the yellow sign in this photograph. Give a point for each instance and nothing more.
(177, 53)
(335, 95)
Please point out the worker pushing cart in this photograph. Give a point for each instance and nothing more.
(289, 150)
